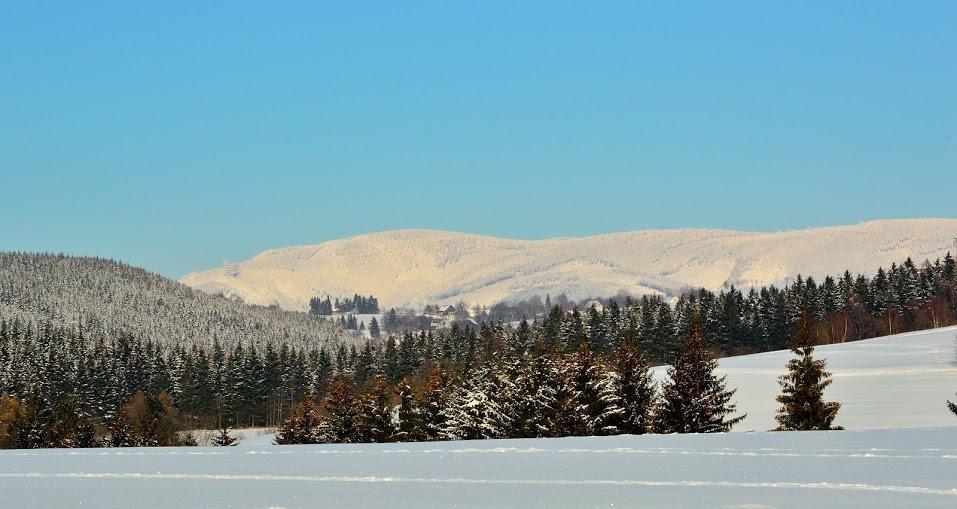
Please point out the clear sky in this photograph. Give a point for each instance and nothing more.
(178, 135)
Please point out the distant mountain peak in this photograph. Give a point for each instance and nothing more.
(420, 266)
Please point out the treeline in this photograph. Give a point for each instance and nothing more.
(358, 304)
(523, 396)
(580, 358)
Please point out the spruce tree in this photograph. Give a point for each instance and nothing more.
(636, 389)
(121, 434)
(374, 422)
(694, 399)
(802, 388)
(341, 412)
(597, 391)
(390, 362)
(303, 425)
(411, 427)
(475, 410)
(571, 417)
(534, 412)
(374, 330)
(223, 438)
(433, 402)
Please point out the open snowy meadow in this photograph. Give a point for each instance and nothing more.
(896, 381)
(900, 450)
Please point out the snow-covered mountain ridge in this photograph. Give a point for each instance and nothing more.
(414, 267)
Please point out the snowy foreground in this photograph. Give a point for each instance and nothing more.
(898, 382)
(877, 468)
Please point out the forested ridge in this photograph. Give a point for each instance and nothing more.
(572, 372)
(106, 298)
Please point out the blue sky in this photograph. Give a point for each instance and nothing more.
(178, 135)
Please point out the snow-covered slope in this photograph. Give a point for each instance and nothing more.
(424, 266)
(900, 381)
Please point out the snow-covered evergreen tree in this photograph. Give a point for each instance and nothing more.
(694, 399)
(802, 388)
(598, 394)
(434, 402)
(636, 389)
(376, 419)
(303, 425)
(341, 413)
(535, 408)
(410, 414)
(475, 410)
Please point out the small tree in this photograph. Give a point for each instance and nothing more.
(302, 426)
(121, 434)
(374, 328)
(223, 438)
(802, 388)
(952, 406)
(694, 400)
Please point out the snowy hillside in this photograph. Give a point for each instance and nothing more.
(423, 266)
(897, 381)
(109, 298)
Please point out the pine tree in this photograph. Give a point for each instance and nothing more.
(341, 412)
(534, 412)
(802, 388)
(411, 427)
(637, 390)
(303, 425)
(374, 422)
(374, 330)
(223, 438)
(390, 361)
(474, 411)
(694, 400)
(597, 390)
(571, 417)
(433, 402)
(120, 433)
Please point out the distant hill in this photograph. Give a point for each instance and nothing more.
(423, 266)
(110, 298)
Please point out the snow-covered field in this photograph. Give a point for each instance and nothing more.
(878, 468)
(898, 382)
(418, 267)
